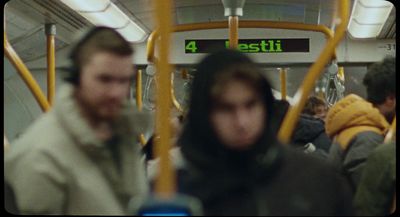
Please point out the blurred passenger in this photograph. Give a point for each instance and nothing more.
(359, 126)
(82, 157)
(174, 153)
(316, 107)
(6, 143)
(380, 82)
(356, 128)
(9, 195)
(375, 193)
(233, 162)
(309, 133)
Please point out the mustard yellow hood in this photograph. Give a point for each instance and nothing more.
(352, 115)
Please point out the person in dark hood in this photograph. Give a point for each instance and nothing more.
(309, 134)
(233, 162)
(312, 130)
(316, 107)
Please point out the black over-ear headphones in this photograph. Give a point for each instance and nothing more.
(74, 68)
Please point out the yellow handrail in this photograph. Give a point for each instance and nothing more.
(51, 63)
(283, 72)
(392, 131)
(25, 75)
(301, 95)
(174, 100)
(165, 182)
(233, 31)
(139, 101)
(242, 24)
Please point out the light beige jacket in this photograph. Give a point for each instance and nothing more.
(58, 166)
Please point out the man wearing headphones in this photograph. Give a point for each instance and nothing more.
(83, 157)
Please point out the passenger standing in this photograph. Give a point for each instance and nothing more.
(83, 157)
(357, 126)
(375, 193)
(175, 155)
(316, 107)
(309, 133)
(233, 162)
(380, 82)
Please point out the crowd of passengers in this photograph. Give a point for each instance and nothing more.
(83, 157)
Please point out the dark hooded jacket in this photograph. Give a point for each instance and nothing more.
(310, 129)
(267, 179)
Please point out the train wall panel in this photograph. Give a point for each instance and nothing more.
(20, 106)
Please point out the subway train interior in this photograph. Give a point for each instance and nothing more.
(303, 47)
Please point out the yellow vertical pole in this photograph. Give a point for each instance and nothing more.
(283, 72)
(139, 101)
(341, 73)
(165, 182)
(233, 31)
(50, 30)
(174, 100)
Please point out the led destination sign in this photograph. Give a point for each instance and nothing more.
(193, 46)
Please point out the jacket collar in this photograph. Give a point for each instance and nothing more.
(131, 122)
(67, 111)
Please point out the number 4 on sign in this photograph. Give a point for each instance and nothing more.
(191, 46)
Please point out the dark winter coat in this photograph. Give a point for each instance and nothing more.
(308, 130)
(358, 128)
(266, 179)
(312, 130)
(375, 193)
(59, 166)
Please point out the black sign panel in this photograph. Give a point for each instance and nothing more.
(273, 45)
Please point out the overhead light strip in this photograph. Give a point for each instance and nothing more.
(106, 13)
(368, 18)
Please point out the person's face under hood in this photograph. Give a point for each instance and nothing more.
(238, 117)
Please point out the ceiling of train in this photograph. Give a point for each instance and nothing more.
(25, 26)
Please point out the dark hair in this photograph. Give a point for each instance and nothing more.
(199, 142)
(380, 80)
(217, 68)
(96, 40)
(311, 104)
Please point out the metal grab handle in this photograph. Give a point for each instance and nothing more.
(335, 84)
